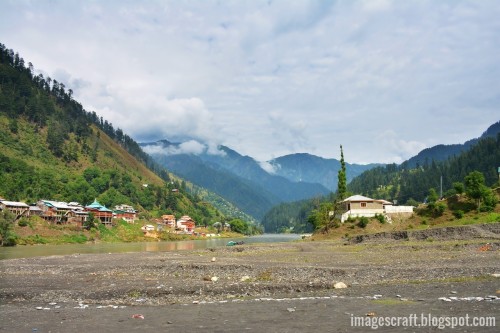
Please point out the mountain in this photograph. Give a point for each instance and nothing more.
(52, 148)
(403, 182)
(239, 179)
(313, 169)
(443, 152)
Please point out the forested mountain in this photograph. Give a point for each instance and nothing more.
(443, 152)
(402, 183)
(313, 169)
(239, 179)
(51, 148)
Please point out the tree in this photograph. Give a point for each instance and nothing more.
(342, 178)
(8, 238)
(475, 188)
(459, 187)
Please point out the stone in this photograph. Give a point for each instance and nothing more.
(339, 285)
(213, 259)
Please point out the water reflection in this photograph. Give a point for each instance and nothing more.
(48, 250)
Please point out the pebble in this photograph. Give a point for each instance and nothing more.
(290, 309)
(339, 285)
(245, 278)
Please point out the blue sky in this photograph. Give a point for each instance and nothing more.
(267, 78)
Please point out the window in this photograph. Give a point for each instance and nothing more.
(363, 205)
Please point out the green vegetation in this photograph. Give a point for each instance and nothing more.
(52, 148)
(7, 237)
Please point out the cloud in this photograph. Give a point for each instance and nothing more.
(269, 167)
(267, 78)
(190, 147)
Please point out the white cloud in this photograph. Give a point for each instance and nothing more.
(273, 78)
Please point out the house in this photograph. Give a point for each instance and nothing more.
(358, 205)
(169, 221)
(186, 224)
(62, 212)
(100, 212)
(125, 212)
(19, 209)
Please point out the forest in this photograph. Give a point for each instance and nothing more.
(52, 148)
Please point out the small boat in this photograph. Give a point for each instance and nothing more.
(233, 243)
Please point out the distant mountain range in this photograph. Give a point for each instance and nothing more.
(242, 181)
(443, 152)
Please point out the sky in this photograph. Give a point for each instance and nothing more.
(384, 79)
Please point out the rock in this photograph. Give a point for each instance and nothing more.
(213, 259)
(214, 278)
(339, 285)
(495, 274)
(245, 278)
(290, 309)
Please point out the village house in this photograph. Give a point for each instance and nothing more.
(358, 206)
(100, 212)
(186, 224)
(61, 212)
(168, 221)
(125, 212)
(19, 209)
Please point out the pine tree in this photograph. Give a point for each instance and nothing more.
(342, 178)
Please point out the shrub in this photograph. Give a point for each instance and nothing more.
(458, 214)
(380, 218)
(23, 222)
(363, 222)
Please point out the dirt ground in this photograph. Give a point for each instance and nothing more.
(285, 287)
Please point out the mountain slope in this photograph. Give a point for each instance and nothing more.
(443, 152)
(313, 169)
(51, 148)
(239, 179)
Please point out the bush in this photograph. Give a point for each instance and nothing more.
(439, 208)
(458, 214)
(23, 222)
(363, 222)
(380, 218)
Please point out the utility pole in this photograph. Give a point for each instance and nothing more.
(441, 187)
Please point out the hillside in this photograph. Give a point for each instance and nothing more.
(52, 148)
(404, 184)
(399, 183)
(313, 169)
(239, 179)
(443, 152)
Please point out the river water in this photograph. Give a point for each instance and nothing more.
(27, 251)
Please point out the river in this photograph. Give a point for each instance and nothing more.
(27, 251)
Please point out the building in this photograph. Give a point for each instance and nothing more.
(358, 205)
(125, 212)
(186, 224)
(100, 212)
(19, 209)
(61, 212)
(169, 221)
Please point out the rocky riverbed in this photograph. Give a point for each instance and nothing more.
(284, 287)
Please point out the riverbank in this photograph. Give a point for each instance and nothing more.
(281, 287)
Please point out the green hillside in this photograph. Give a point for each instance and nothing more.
(51, 148)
